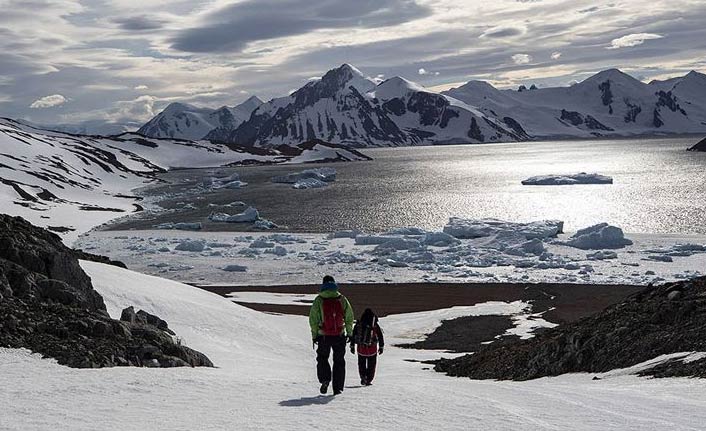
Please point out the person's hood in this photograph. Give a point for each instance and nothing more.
(329, 294)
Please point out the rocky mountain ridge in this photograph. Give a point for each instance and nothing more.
(346, 107)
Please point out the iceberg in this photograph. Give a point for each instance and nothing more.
(567, 180)
(596, 237)
(249, 215)
(194, 246)
(471, 228)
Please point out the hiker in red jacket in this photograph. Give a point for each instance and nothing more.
(331, 322)
(367, 336)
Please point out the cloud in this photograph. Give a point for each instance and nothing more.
(139, 23)
(231, 28)
(141, 87)
(556, 55)
(499, 32)
(632, 40)
(48, 101)
(423, 71)
(521, 58)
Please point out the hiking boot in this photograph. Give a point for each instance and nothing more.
(337, 391)
(363, 382)
(324, 387)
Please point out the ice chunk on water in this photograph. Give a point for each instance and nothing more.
(534, 246)
(235, 268)
(249, 215)
(473, 228)
(564, 180)
(344, 234)
(309, 183)
(600, 236)
(440, 239)
(322, 174)
(602, 255)
(264, 224)
(195, 246)
(372, 239)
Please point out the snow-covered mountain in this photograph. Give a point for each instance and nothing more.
(70, 183)
(184, 121)
(347, 108)
(610, 103)
(91, 127)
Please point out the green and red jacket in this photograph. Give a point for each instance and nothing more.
(316, 313)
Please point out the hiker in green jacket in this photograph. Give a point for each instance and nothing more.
(331, 321)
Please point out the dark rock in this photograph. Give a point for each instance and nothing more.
(700, 146)
(48, 305)
(656, 321)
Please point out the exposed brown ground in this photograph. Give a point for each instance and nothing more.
(569, 301)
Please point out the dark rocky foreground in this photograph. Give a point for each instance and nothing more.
(658, 320)
(700, 146)
(48, 305)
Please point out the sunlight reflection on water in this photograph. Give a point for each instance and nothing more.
(658, 186)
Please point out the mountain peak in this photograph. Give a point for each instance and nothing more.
(396, 86)
(611, 74)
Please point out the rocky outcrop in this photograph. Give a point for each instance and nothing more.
(660, 320)
(48, 305)
(700, 146)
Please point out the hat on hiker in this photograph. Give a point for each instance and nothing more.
(329, 284)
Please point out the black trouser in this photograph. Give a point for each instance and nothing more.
(337, 343)
(366, 367)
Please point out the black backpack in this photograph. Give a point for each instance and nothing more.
(366, 334)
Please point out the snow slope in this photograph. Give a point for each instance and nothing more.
(265, 380)
(77, 182)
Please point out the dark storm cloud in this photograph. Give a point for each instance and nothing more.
(231, 28)
(139, 23)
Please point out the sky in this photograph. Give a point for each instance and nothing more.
(68, 61)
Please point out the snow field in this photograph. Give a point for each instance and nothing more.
(265, 380)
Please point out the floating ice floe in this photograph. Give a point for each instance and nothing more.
(679, 250)
(188, 245)
(249, 215)
(235, 268)
(596, 237)
(602, 255)
(344, 234)
(309, 183)
(473, 228)
(439, 239)
(264, 224)
(325, 175)
(565, 180)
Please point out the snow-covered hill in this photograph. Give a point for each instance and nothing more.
(71, 183)
(184, 121)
